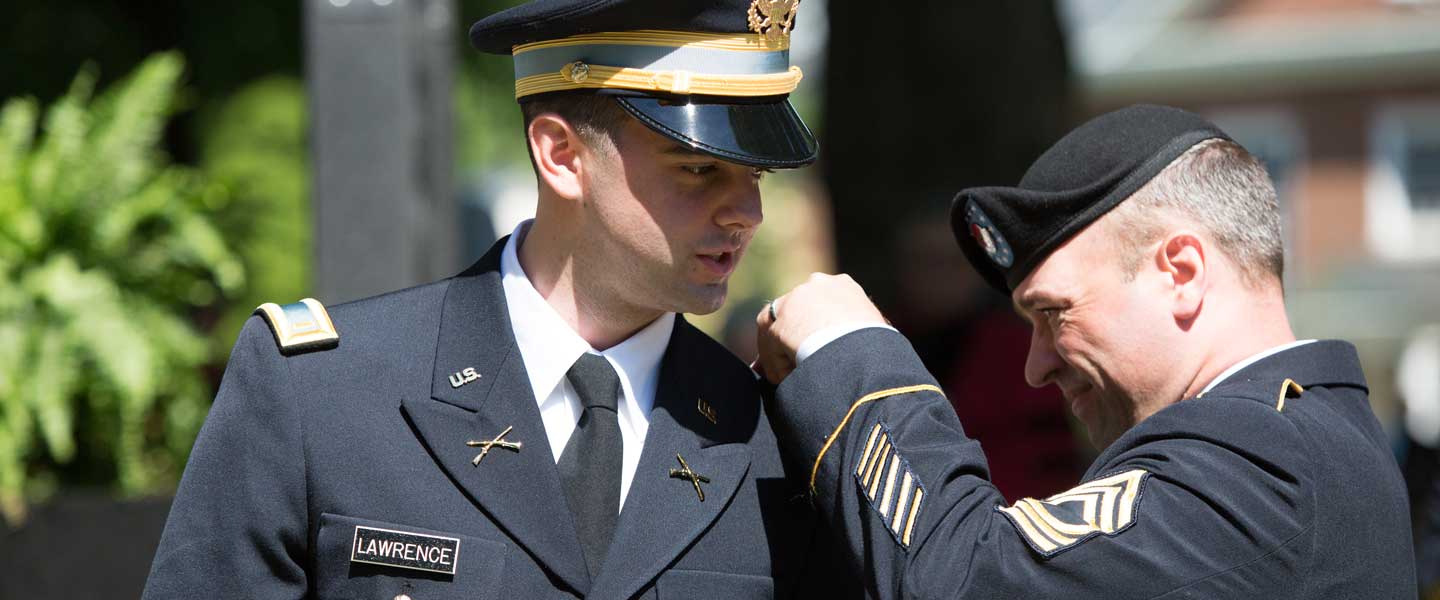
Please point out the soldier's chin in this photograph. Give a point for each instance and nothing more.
(707, 299)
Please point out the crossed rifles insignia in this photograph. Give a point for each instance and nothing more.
(695, 479)
(497, 441)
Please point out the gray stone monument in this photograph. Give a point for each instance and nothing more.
(379, 75)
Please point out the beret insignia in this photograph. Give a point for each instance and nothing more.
(886, 480)
(989, 238)
(300, 327)
(1108, 506)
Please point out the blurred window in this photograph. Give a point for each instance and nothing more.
(1403, 187)
(1274, 136)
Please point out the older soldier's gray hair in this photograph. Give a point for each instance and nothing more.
(1225, 190)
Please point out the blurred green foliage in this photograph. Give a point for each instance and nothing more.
(253, 145)
(107, 251)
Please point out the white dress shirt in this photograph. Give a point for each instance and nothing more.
(550, 347)
(822, 338)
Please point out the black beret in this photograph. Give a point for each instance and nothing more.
(1007, 231)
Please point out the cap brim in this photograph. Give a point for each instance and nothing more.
(767, 134)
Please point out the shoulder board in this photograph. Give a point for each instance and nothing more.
(300, 327)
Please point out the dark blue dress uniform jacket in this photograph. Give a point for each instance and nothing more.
(1256, 489)
(298, 451)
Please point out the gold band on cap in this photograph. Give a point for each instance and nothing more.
(735, 42)
(674, 62)
(582, 76)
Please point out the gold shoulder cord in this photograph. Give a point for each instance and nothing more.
(871, 397)
(1286, 389)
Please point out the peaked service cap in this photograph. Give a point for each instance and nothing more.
(713, 75)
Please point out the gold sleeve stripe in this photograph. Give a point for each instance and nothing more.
(910, 521)
(1285, 390)
(1106, 506)
(901, 508)
(1029, 530)
(866, 399)
(875, 462)
(893, 471)
(1105, 491)
(876, 476)
(1042, 524)
(1127, 499)
(1038, 509)
(869, 448)
(1088, 501)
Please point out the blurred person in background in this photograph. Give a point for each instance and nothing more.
(1145, 250)
(543, 424)
(1417, 376)
(974, 344)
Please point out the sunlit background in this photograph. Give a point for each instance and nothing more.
(167, 166)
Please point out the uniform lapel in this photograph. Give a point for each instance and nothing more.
(520, 490)
(663, 515)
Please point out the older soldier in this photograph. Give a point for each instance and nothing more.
(544, 424)
(1144, 248)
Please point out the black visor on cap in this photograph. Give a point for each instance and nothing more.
(766, 134)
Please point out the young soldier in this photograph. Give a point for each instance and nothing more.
(543, 424)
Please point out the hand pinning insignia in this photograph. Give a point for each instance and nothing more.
(463, 377)
(498, 440)
(1060, 522)
(885, 479)
(684, 472)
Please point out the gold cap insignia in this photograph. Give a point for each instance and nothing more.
(773, 18)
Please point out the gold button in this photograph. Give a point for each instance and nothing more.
(578, 71)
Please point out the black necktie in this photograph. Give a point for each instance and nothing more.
(590, 465)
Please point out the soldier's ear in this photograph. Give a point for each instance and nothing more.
(1183, 257)
(555, 147)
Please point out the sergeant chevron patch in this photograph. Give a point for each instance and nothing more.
(886, 480)
(1060, 522)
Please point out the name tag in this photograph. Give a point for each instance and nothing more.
(406, 550)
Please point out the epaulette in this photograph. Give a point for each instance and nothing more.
(300, 327)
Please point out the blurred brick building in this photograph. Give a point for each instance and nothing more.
(1341, 99)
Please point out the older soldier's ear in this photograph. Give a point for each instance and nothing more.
(1182, 259)
(555, 146)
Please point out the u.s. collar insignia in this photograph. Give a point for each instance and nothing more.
(773, 18)
(1105, 506)
(893, 489)
(987, 236)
